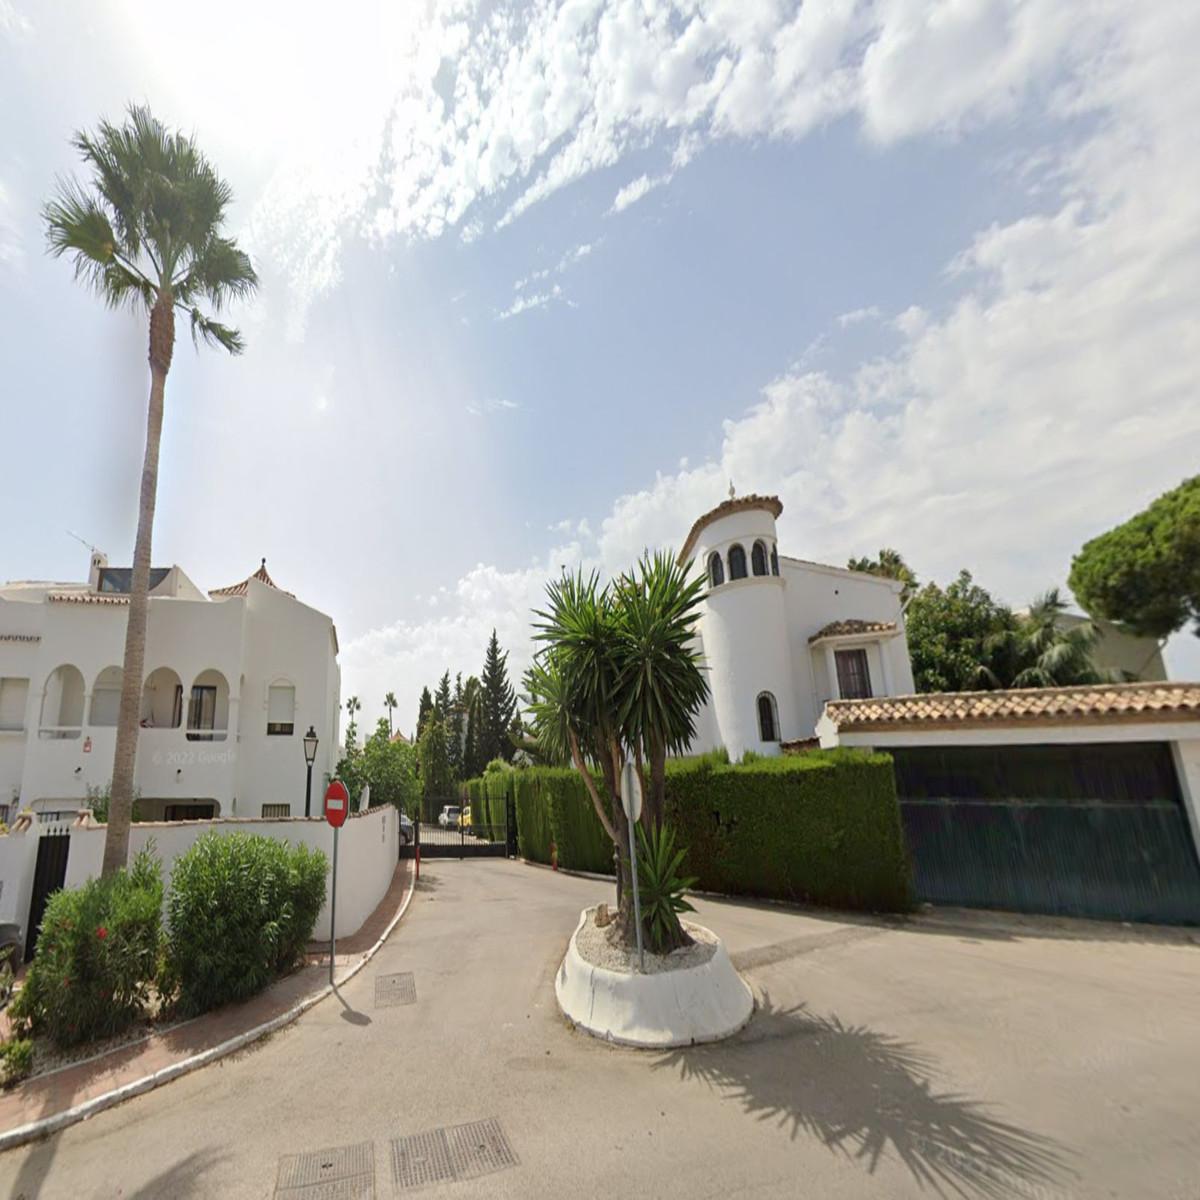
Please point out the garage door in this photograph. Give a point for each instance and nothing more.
(1092, 831)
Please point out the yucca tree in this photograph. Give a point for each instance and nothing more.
(144, 231)
(390, 703)
(618, 673)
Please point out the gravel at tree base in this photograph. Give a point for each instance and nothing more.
(595, 947)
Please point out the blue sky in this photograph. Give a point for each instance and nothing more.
(538, 280)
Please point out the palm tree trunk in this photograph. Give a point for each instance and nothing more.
(120, 810)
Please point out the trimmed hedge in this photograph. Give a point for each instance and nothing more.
(823, 828)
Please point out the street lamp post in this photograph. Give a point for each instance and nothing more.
(310, 755)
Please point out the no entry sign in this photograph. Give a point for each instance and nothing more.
(337, 804)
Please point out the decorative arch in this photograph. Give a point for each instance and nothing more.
(768, 718)
(716, 570)
(208, 707)
(62, 703)
(758, 558)
(162, 700)
(774, 559)
(106, 698)
(737, 561)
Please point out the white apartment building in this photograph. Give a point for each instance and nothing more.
(780, 636)
(234, 679)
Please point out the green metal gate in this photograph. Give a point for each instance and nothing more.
(1090, 830)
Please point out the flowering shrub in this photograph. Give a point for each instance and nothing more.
(239, 911)
(96, 957)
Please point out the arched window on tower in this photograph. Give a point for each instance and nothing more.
(737, 562)
(758, 559)
(768, 718)
(716, 570)
(774, 560)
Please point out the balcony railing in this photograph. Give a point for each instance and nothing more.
(56, 733)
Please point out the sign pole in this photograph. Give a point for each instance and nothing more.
(333, 909)
(631, 802)
(637, 903)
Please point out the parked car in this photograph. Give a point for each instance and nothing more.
(448, 817)
(406, 830)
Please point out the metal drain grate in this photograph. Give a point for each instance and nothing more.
(450, 1155)
(479, 1149)
(395, 989)
(339, 1173)
(421, 1159)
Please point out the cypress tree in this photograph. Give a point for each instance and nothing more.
(424, 711)
(499, 704)
(441, 698)
(455, 729)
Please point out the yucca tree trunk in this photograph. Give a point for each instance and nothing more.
(120, 809)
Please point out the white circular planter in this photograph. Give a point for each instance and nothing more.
(702, 1003)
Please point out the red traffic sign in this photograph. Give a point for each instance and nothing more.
(337, 804)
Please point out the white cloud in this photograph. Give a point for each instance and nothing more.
(529, 302)
(12, 249)
(1051, 400)
(14, 24)
(455, 111)
(492, 405)
(633, 191)
(858, 315)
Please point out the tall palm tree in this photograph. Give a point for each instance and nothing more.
(390, 702)
(889, 564)
(144, 231)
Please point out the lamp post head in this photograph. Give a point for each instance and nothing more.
(310, 745)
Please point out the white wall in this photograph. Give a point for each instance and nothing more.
(368, 852)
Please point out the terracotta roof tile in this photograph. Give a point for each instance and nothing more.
(240, 589)
(851, 628)
(772, 504)
(1048, 706)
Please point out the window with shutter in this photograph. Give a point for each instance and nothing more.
(854, 677)
(281, 710)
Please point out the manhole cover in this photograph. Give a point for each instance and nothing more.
(420, 1159)
(339, 1173)
(479, 1149)
(446, 1155)
(395, 989)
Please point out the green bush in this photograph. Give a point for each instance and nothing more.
(823, 827)
(498, 786)
(16, 1060)
(477, 799)
(96, 957)
(533, 815)
(239, 911)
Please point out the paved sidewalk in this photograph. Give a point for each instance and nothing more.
(61, 1090)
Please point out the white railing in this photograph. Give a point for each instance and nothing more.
(54, 733)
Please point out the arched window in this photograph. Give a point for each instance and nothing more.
(774, 560)
(768, 718)
(758, 559)
(737, 562)
(716, 569)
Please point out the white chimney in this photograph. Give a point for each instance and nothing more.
(99, 560)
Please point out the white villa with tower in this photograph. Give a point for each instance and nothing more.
(234, 679)
(781, 636)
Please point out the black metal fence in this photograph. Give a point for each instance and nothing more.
(455, 835)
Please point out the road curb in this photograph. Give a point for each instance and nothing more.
(12, 1138)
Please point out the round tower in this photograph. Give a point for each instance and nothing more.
(743, 624)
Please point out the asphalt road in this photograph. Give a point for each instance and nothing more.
(884, 1061)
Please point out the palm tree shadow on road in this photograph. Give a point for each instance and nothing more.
(860, 1093)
